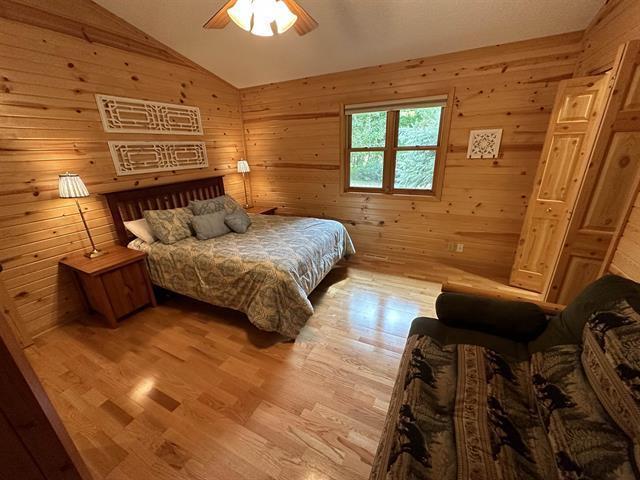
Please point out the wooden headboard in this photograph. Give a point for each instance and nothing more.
(127, 205)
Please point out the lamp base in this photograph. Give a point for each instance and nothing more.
(93, 253)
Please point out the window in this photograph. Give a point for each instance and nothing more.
(394, 148)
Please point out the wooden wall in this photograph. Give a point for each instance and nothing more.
(617, 22)
(293, 139)
(54, 56)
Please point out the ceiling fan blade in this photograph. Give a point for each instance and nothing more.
(305, 22)
(220, 19)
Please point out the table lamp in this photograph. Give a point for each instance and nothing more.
(71, 186)
(243, 168)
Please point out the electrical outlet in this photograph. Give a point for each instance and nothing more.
(451, 247)
(459, 247)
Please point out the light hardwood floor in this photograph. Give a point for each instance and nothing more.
(186, 390)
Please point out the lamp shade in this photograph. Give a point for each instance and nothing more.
(283, 16)
(241, 14)
(263, 16)
(243, 166)
(71, 186)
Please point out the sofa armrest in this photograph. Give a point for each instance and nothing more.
(515, 320)
(446, 335)
(547, 307)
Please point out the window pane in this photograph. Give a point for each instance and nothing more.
(419, 127)
(414, 169)
(368, 129)
(365, 169)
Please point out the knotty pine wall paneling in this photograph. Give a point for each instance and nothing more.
(617, 22)
(626, 259)
(293, 136)
(54, 56)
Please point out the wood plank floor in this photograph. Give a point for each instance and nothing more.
(188, 391)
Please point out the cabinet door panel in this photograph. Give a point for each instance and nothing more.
(534, 252)
(576, 108)
(564, 156)
(126, 289)
(619, 170)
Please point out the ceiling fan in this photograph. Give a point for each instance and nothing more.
(264, 17)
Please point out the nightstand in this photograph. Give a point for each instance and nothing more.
(262, 210)
(114, 284)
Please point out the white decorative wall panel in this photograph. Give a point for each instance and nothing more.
(129, 115)
(131, 158)
(484, 143)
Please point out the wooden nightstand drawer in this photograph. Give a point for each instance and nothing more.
(115, 284)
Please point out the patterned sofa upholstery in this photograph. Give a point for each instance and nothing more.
(468, 405)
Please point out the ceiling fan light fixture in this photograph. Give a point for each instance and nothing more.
(241, 14)
(263, 17)
(284, 18)
(262, 29)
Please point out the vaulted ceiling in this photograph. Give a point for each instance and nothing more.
(352, 33)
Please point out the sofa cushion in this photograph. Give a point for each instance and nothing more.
(465, 411)
(461, 411)
(566, 328)
(418, 440)
(520, 321)
(584, 440)
(611, 360)
(497, 427)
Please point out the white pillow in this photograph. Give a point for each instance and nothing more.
(140, 228)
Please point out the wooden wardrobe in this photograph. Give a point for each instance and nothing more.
(589, 170)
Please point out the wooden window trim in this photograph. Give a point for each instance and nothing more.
(391, 148)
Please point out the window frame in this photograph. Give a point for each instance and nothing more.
(391, 144)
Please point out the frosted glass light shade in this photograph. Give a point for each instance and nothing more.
(71, 186)
(283, 16)
(243, 166)
(241, 14)
(263, 15)
(262, 29)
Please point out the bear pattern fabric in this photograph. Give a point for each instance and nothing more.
(468, 412)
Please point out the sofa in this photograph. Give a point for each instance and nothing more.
(499, 390)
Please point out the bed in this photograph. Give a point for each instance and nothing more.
(267, 273)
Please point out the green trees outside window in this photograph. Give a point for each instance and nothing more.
(394, 150)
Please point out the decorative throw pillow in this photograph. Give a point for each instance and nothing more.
(210, 225)
(238, 221)
(169, 226)
(213, 205)
(140, 228)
